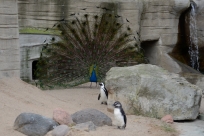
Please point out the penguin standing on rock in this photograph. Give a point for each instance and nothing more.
(103, 95)
(120, 116)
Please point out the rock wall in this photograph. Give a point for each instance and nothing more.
(9, 39)
(44, 13)
(159, 31)
(200, 31)
(155, 23)
(41, 13)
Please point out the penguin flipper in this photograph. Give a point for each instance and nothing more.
(125, 118)
(106, 92)
(99, 96)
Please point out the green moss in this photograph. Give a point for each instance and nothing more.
(29, 30)
(168, 128)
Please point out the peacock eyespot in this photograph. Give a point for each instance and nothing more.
(96, 16)
(96, 25)
(73, 22)
(84, 23)
(83, 30)
(53, 39)
(73, 30)
(86, 15)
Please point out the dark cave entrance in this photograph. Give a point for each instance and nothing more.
(149, 49)
(34, 68)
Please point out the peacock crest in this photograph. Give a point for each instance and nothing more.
(88, 48)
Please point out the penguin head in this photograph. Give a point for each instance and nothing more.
(101, 84)
(117, 104)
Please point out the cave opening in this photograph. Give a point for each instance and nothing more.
(34, 68)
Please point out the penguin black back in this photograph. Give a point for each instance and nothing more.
(104, 88)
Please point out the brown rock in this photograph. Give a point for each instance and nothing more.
(167, 119)
(62, 117)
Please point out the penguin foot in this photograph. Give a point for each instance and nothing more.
(104, 103)
(121, 127)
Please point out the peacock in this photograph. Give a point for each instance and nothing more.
(93, 74)
(88, 48)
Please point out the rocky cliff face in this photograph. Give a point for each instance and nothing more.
(9, 46)
(159, 30)
(41, 13)
(155, 23)
(200, 31)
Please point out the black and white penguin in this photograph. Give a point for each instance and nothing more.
(120, 116)
(103, 95)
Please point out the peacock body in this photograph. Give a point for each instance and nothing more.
(88, 48)
(93, 75)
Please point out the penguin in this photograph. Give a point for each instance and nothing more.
(103, 95)
(119, 115)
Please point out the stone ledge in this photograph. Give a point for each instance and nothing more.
(152, 37)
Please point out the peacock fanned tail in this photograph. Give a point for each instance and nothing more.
(98, 41)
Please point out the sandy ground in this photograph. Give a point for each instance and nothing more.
(17, 97)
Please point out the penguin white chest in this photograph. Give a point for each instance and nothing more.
(103, 95)
(118, 117)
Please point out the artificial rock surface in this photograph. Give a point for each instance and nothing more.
(152, 91)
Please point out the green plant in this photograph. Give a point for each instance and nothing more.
(168, 128)
(99, 40)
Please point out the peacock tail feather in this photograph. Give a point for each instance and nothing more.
(90, 43)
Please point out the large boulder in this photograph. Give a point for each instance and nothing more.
(96, 116)
(152, 91)
(32, 124)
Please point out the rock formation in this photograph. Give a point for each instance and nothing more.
(32, 124)
(9, 43)
(152, 91)
(155, 23)
(96, 116)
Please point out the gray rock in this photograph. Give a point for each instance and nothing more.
(33, 124)
(87, 126)
(97, 117)
(61, 130)
(194, 78)
(151, 91)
